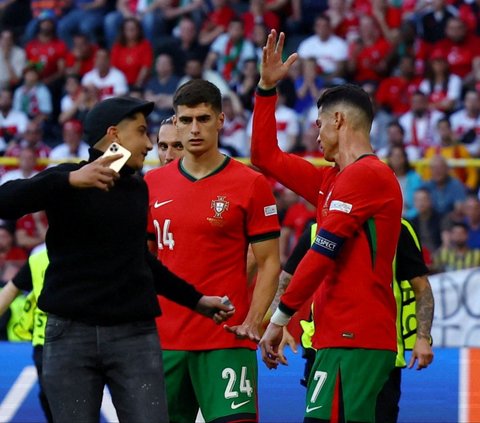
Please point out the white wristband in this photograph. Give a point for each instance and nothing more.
(280, 318)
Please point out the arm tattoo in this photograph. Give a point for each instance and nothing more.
(283, 282)
(424, 309)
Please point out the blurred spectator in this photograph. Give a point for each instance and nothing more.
(308, 86)
(388, 17)
(466, 123)
(11, 256)
(259, 39)
(433, 23)
(78, 100)
(47, 50)
(27, 161)
(194, 70)
(469, 12)
(409, 43)
(13, 123)
(229, 52)
(450, 149)
(343, 20)
(395, 92)
(297, 217)
(329, 50)
(381, 119)
(288, 128)
(309, 145)
(73, 146)
(258, 14)
(245, 88)
(459, 47)
(85, 17)
(442, 87)
(109, 81)
(233, 136)
(427, 223)
(30, 230)
(160, 89)
(132, 54)
(31, 138)
(185, 44)
(216, 22)
(81, 58)
(471, 210)
(368, 54)
(291, 13)
(447, 191)
(395, 135)
(408, 179)
(40, 9)
(420, 125)
(33, 97)
(12, 60)
(156, 17)
(457, 255)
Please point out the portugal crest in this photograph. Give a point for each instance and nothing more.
(219, 206)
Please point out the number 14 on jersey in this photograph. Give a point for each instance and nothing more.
(164, 236)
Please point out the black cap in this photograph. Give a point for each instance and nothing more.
(111, 112)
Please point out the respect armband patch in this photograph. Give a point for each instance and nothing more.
(327, 244)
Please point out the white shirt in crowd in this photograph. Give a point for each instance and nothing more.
(111, 85)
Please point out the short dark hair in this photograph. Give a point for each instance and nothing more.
(198, 91)
(350, 94)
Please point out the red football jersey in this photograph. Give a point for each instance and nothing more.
(203, 228)
(360, 206)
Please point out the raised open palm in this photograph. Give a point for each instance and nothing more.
(273, 69)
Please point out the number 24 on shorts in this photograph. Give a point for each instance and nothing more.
(245, 384)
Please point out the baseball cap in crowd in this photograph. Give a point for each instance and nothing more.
(438, 54)
(110, 112)
(73, 125)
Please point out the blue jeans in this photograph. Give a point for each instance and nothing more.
(80, 359)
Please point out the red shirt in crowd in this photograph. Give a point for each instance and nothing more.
(131, 59)
(48, 54)
(396, 92)
(460, 55)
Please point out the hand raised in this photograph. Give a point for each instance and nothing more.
(96, 174)
(272, 68)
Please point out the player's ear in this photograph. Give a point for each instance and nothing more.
(339, 119)
(220, 121)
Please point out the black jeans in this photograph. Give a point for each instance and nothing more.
(80, 359)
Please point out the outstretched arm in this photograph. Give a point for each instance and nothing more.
(291, 170)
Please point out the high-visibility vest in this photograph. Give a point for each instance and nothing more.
(33, 319)
(16, 311)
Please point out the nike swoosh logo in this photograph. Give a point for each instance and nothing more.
(157, 204)
(240, 404)
(310, 409)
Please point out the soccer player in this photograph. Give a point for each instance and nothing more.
(101, 282)
(415, 303)
(204, 219)
(349, 267)
(169, 146)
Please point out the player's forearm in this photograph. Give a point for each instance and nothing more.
(305, 281)
(424, 306)
(290, 170)
(264, 292)
(7, 295)
(283, 282)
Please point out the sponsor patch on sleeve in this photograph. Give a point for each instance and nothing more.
(270, 210)
(340, 206)
(327, 244)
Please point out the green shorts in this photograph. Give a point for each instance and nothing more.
(346, 382)
(223, 383)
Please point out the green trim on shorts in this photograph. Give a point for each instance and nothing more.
(223, 383)
(362, 372)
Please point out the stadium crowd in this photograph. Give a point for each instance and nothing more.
(418, 60)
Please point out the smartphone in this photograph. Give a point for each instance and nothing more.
(117, 149)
